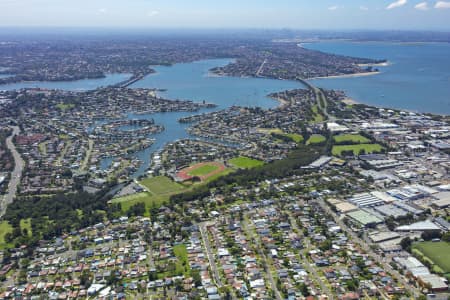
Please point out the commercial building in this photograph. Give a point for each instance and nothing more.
(364, 218)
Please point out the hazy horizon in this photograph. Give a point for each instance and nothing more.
(249, 14)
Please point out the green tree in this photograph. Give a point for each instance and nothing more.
(406, 243)
(196, 277)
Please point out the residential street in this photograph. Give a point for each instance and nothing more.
(367, 248)
(310, 267)
(212, 263)
(250, 232)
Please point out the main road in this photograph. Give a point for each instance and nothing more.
(321, 98)
(415, 292)
(16, 175)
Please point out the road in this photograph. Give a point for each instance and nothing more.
(16, 175)
(88, 155)
(257, 243)
(261, 68)
(212, 262)
(415, 292)
(310, 268)
(321, 99)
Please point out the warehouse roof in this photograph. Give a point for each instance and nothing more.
(364, 218)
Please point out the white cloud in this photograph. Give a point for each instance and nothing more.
(421, 6)
(396, 4)
(363, 7)
(153, 13)
(334, 7)
(442, 4)
(102, 11)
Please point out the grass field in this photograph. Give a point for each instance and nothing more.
(4, 229)
(26, 224)
(159, 189)
(298, 138)
(354, 138)
(217, 175)
(145, 197)
(316, 139)
(203, 170)
(368, 148)
(161, 185)
(243, 162)
(270, 130)
(438, 253)
(181, 253)
(43, 148)
(206, 171)
(63, 136)
(318, 117)
(64, 106)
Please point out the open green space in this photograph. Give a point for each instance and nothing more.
(26, 224)
(316, 139)
(4, 229)
(63, 136)
(43, 148)
(437, 252)
(318, 117)
(353, 138)
(279, 134)
(216, 176)
(243, 162)
(161, 185)
(159, 191)
(298, 138)
(145, 197)
(177, 267)
(368, 148)
(65, 106)
(181, 253)
(270, 130)
(203, 170)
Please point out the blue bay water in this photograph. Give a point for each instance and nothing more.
(418, 78)
(192, 81)
(187, 81)
(77, 85)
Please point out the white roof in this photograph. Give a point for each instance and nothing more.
(419, 226)
(442, 195)
(383, 196)
(435, 281)
(335, 127)
(419, 271)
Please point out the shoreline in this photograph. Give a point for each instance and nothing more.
(383, 64)
(350, 101)
(282, 102)
(346, 75)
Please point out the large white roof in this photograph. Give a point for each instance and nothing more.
(419, 226)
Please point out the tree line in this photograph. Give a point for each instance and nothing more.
(54, 215)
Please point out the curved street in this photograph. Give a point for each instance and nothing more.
(16, 175)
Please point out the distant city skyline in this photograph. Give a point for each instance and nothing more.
(296, 14)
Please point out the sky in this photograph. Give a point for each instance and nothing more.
(295, 14)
